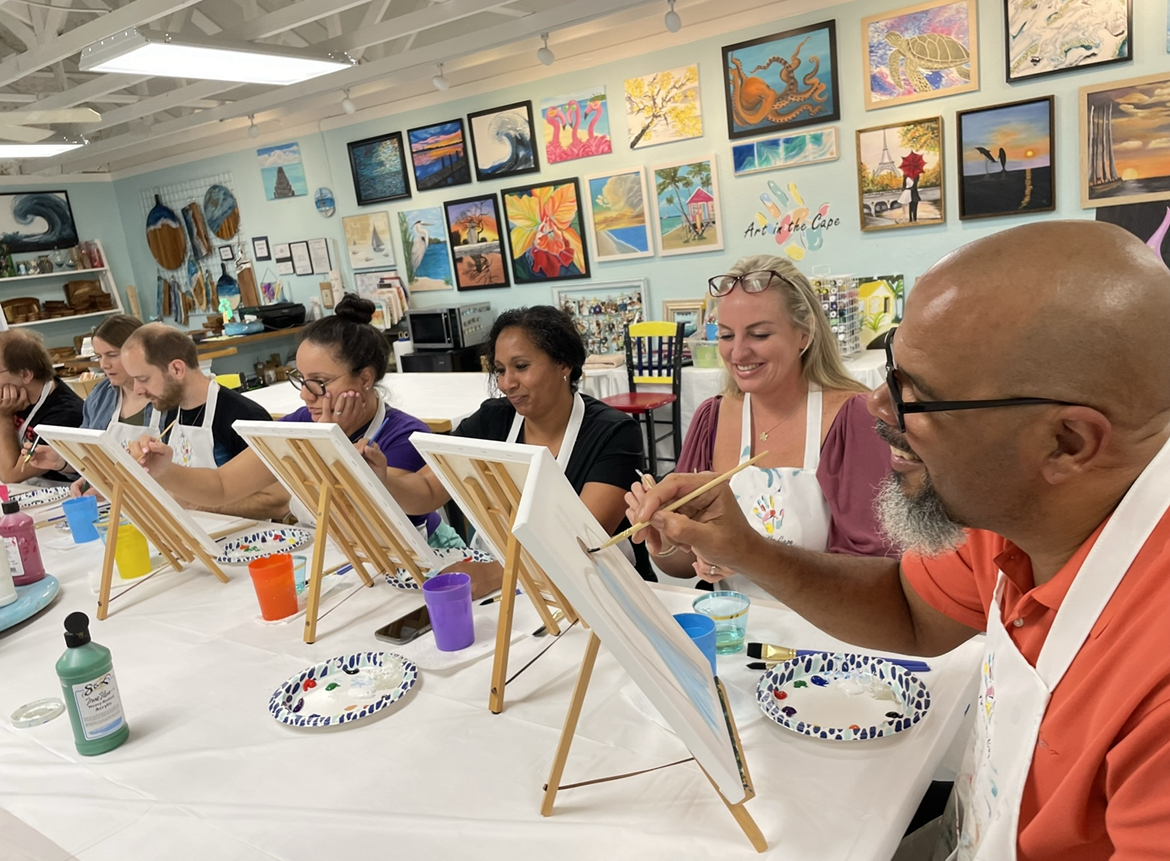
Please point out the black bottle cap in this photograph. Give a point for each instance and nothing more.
(10, 506)
(76, 630)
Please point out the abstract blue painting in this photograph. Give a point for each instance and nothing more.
(379, 169)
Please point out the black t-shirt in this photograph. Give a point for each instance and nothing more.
(608, 448)
(62, 407)
(229, 407)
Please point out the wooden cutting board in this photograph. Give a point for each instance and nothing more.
(249, 296)
(166, 236)
(221, 211)
(196, 230)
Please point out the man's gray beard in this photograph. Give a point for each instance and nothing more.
(918, 523)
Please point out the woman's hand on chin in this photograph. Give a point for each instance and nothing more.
(345, 409)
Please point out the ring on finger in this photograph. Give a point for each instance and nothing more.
(711, 573)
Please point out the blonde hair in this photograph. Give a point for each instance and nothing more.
(820, 362)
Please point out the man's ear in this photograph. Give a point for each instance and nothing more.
(1080, 436)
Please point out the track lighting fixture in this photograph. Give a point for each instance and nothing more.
(440, 81)
(544, 54)
(253, 131)
(347, 105)
(672, 20)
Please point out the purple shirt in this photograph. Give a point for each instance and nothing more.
(854, 460)
(393, 438)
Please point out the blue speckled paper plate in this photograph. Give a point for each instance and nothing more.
(402, 579)
(41, 496)
(30, 600)
(842, 697)
(343, 689)
(262, 542)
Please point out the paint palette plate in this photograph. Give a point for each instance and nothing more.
(402, 579)
(262, 542)
(30, 600)
(41, 496)
(343, 689)
(842, 697)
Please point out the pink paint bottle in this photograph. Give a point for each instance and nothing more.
(19, 534)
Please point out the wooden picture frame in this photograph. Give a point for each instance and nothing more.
(1115, 171)
(477, 249)
(687, 311)
(546, 247)
(503, 141)
(1028, 129)
(879, 198)
(696, 224)
(1035, 45)
(752, 83)
(904, 50)
(378, 167)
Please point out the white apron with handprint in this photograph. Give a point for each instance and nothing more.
(783, 503)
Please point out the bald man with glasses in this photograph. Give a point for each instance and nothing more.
(1027, 409)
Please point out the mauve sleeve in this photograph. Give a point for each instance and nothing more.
(699, 447)
(854, 460)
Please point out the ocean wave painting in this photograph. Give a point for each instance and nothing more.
(504, 141)
(785, 151)
(36, 221)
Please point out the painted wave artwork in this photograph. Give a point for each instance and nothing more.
(512, 132)
(48, 220)
(786, 151)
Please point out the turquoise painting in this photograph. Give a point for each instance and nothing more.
(282, 172)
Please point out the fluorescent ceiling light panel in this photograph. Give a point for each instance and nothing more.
(39, 150)
(134, 52)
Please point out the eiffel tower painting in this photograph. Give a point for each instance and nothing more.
(886, 165)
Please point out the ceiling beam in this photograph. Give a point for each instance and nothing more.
(375, 12)
(293, 15)
(130, 15)
(91, 89)
(174, 98)
(18, 28)
(411, 22)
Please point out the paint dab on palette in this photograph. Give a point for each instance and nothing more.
(820, 681)
(781, 695)
(788, 710)
(800, 684)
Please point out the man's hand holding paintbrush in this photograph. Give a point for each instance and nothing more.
(154, 455)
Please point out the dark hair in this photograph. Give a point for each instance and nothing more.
(24, 351)
(550, 329)
(162, 345)
(115, 330)
(350, 337)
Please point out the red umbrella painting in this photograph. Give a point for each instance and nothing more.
(912, 165)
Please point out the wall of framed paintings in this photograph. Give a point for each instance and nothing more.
(739, 137)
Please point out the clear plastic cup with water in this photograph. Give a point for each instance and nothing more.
(729, 611)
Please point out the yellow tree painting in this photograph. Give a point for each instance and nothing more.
(664, 107)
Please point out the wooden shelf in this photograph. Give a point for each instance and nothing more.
(57, 273)
(64, 319)
(240, 340)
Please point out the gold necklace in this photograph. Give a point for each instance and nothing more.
(764, 434)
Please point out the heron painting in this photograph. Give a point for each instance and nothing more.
(1005, 159)
(427, 262)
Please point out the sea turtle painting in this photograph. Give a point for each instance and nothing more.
(930, 51)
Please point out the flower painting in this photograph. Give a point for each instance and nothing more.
(664, 107)
(439, 155)
(424, 249)
(544, 232)
(576, 126)
(473, 228)
(616, 214)
(687, 213)
(1048, 36)
(378, 165)
(900, 175)
(920, 52)
(504, 141)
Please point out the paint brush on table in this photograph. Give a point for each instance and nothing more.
(679, 503)
(773, 655)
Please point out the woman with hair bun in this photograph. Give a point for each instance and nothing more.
(339, 362)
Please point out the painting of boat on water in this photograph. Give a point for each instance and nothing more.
(425, 256)
(379, 169)
(1125, 127)
(36, 221)
(1006, 159)
(367, 240)
(439, 155)
(617, 215)
(503, 140)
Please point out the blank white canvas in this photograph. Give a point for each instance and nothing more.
(556, 527)
(70, 443)
(338, 453)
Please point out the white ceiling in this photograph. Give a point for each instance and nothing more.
(483, 43)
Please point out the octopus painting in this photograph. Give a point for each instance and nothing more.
(781, 82)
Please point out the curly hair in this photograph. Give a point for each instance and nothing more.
(550, 329)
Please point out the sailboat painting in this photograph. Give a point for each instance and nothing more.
(282, 171)
(367, 240)
(1125, 141)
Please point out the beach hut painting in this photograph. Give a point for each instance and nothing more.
(503, 140)
(617, 215)
(687, 215)
(576, 126)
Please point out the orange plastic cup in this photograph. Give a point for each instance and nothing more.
(272, 577)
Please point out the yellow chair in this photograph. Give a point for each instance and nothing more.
(229, 381)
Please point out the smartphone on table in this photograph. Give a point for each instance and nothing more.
(406, 627)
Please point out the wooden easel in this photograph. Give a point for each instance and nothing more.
(491, 499)
(118, 482)
(738, 810)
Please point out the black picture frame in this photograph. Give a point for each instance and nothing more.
(226, 253)
(45, 206)
(474, 268)
(261, 250)
(483, 126)
(1032, 185)
(524, 269)
(455, 169)
(794, 42)
(378, 187)
(1013, 78)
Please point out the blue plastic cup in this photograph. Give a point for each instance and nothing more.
(448, 600)
(80, 514)
(701, 630)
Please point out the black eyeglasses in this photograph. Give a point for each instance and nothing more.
(752, 282)
(901, 407)
(316, 388)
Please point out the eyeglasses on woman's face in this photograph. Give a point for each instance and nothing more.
(316, 388)
(751, 282)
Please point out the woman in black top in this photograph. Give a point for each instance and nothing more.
(537, 356)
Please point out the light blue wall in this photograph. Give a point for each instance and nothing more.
(846, 248)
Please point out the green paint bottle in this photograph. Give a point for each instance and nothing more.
(91, 691)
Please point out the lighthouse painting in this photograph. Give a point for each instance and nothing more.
(282, 171)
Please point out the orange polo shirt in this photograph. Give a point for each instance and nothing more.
(1099, 785)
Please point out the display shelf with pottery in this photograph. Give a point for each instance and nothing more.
(343, 689)
(48, 286)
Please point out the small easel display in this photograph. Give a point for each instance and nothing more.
(318, 465)
(484, 478)
(109, 468)
(622, 611)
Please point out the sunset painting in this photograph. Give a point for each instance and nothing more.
(617, 217)
(439, 155)
(1125, 141)
(1005, 158)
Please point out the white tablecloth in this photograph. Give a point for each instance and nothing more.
(208, 774)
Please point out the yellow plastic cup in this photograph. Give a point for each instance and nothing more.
(132, 553)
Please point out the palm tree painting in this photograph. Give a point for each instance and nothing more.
(687, 212)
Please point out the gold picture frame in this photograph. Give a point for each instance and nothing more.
(686, 310)
(1121, 159)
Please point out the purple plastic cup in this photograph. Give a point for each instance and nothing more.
(448, 599)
